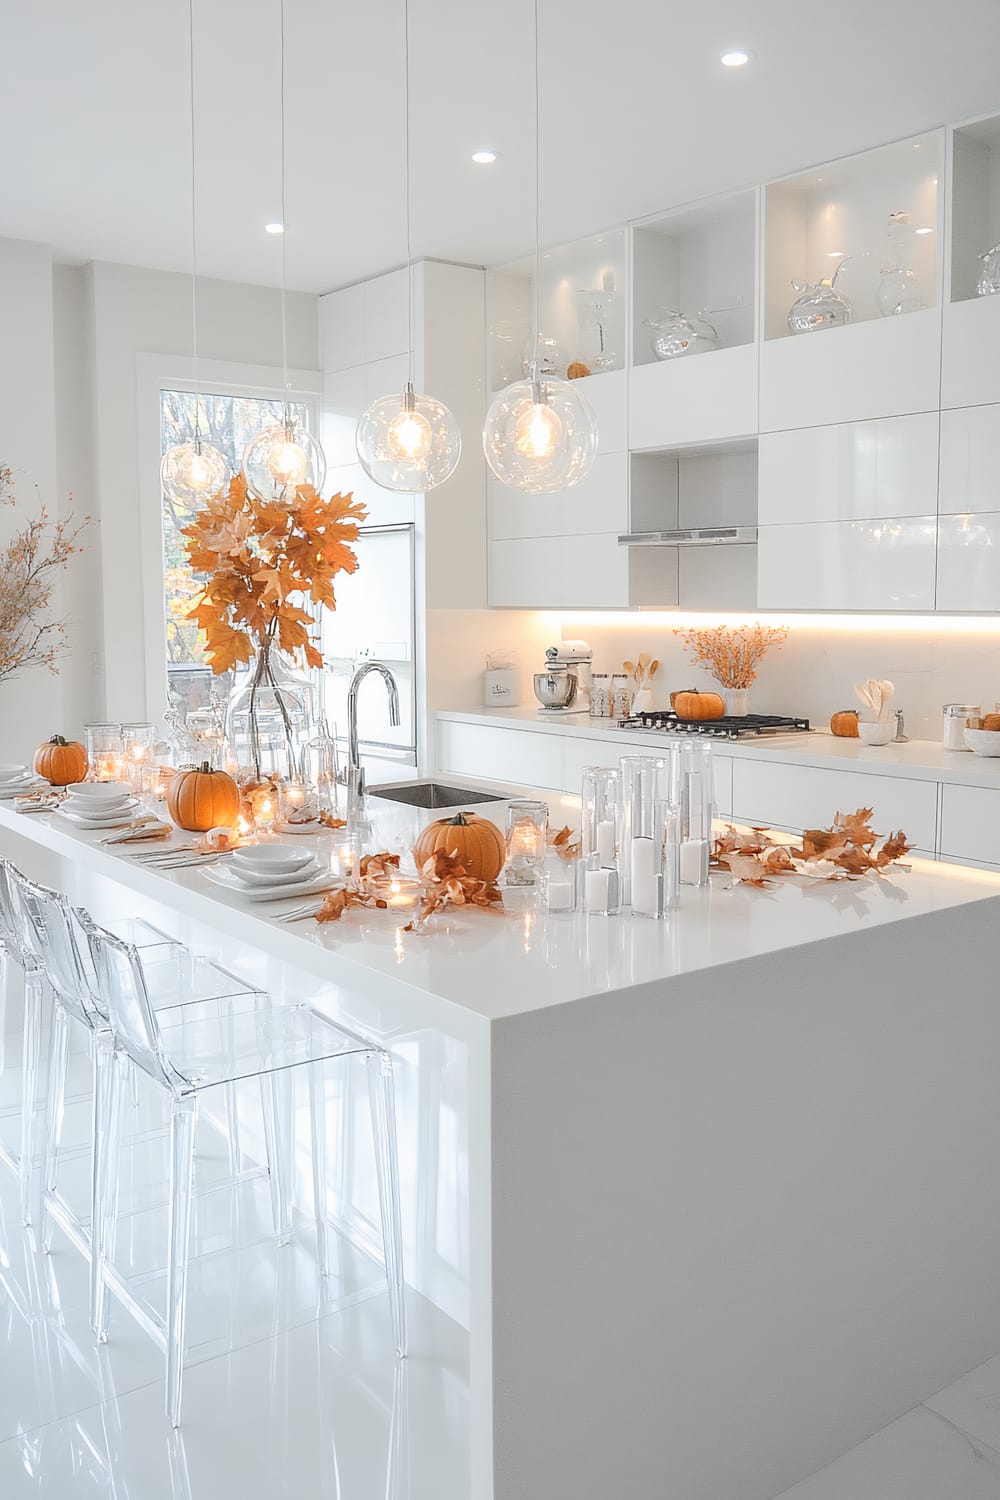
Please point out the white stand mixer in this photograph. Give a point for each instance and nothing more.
(564, 686)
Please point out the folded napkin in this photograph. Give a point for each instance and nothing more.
(150, 828)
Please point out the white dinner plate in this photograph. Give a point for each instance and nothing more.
(258, 879)
(100, 820)
(22, 788)
(222, 875)
(303, 828)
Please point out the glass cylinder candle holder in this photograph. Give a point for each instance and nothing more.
(104, 751)
(667, 829)
(695, 812)
(640, 780)
(296, 802)
(345, 855)
(601, 888)
(399, 892)
(137, 753)
(601, 814)
(558, 885)
(527, 837)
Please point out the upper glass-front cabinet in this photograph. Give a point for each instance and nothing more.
(868, 224)
(975, 210)
(581, 311)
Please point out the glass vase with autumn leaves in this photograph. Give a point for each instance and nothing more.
(267, 566)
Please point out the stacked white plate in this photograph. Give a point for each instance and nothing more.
(15, 781)
(270, 872)
(99, 804)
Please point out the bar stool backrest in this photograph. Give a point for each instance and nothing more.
(123, 998)
(52, 934)
(10, 918)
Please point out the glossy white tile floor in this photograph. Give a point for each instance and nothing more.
(291, 1391)
(948, 1448)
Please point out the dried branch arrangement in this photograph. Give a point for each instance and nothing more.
(260, 557)
(30, 564)
(732, 653)
(846, 851)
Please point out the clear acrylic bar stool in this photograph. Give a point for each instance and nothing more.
(189, 1053)
(12, 939)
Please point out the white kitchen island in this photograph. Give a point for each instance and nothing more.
(714, 1197)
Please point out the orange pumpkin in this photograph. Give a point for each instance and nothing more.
(61, 761)
(695, 705)
(478, 842)
(577, 370)
(844, 723)
(203, 799)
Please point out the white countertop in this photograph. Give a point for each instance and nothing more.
(918, 760)
(488, 966)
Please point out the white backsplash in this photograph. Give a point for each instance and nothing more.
(931, 661)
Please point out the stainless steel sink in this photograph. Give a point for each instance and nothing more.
(434, 794)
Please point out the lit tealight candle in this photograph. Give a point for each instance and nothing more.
(398, 891)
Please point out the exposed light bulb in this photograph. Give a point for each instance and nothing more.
(409, 436)
(282, 457)
(537, 431)
(288, 463)
(191, 473)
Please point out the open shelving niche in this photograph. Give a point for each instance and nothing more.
(568, 272)
(815, 219)
(975, 202)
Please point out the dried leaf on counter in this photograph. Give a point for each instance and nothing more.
(845, 851)
(373, 866)
(329, 821)
(334, 906)
(749, 869)
(565, 843)
(448, 882)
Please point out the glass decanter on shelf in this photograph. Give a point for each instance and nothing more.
(593, 310)
(988, 284)
(549, 358)
(675, 334)
(820, 305)
(898, 291)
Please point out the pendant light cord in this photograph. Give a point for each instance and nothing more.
(538, 215)
(194, 230)
(410, 333)
(284, 231)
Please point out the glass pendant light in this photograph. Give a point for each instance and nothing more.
(283, 455)
(408, 443)
(540, 433)
(190, 473)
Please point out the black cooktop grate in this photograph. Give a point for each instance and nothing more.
(732, 727)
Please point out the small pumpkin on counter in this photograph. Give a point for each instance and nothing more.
(478, 841)
(991, 722)
(62, 762)
(202, 799)
(577, 370)
(694, 706)
(844, 723)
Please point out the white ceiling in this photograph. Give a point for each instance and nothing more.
(637, 114)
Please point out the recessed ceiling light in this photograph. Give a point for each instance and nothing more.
(737, 58)
(925, 229)
(835, 254)
(274, 228)
(483, 158)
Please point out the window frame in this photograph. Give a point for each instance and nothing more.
(157, 373)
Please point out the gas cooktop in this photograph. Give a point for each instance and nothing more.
(732, 727)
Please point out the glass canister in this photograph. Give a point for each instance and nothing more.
(622, 693)
(600, 696)
(695, 811)
(954, 717)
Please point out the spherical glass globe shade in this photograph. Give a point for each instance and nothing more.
(541, 437)
(281, 458)
(409, 443)
(192, 472)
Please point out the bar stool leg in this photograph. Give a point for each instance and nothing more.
(182, 1131)
(381, 1099)
(279, 1146)
(107, 1152)
(30, 1079)
(317, 1108)
(54, 1112)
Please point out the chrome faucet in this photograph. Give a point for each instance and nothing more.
(355, 775)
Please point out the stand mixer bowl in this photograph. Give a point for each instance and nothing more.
(556, 688)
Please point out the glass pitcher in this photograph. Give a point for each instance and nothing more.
(989, 274)
(819, 306)
(674, 334)
(898, 289)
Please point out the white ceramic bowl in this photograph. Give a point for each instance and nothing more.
(270, 878)
(100, 791)
(983, 741)
(269, 858)
(879, 733)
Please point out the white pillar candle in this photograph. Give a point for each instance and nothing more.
(693, 854)
(559, 893)
(606, 841)
(643, 876)
(597, 888)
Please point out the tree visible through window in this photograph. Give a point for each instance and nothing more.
(228, 422)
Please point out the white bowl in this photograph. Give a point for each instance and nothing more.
(983, 741)
(100, 791)
(267, 878)
(267, 858)
(881, 732)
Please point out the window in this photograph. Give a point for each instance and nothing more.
(228, 422)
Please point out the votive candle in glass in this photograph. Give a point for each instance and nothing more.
(399, 892)
(527, 836)
(137, 754)
(558, 885)
(345, 855)
(104, 751)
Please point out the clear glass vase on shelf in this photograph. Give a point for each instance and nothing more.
(270, 717)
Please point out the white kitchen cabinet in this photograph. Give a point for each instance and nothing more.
(970, 370)
(387, 313)
(699, 399)
(508, 755)
(342, 328)
(599, 503)
(849, 471)
(970, 460)
(579, 572)
(578, 752)
(873, 369)
(798, 797)
(608, 396)
(968, 576)
(970, 823)
(343, 403)
(862, 565)
(722, 777)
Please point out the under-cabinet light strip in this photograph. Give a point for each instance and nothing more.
(822, 624)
